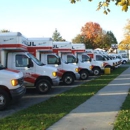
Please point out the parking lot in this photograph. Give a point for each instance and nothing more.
(32, 97)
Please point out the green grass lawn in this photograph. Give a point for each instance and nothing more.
(43, 115)
(123, 118)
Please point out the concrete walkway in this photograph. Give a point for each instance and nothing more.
(99, 112)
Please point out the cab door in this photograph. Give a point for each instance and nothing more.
(24, 64)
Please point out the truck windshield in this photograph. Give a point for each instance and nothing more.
(85, 58)
(38, 62)
(71, 59)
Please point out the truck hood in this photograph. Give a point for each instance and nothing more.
(46, 68)
(9, 73)
(70, 67)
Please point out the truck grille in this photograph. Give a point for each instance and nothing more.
(21, 81)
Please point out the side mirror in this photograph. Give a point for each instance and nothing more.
(59, 61)
(77, 60)
(30, 64)
(104, 59)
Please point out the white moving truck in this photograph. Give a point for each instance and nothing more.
(16, 56)
(84, 61)
(64, 50)
(42, 48)
(79, 49)
(11, 85)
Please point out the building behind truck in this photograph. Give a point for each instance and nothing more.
(42, 48)
(15, 56)
(11, 84)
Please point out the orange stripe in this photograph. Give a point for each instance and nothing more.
(16, 71)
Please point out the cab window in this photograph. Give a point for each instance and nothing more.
(21, 61)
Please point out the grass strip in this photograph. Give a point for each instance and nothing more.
(43, 115)
(123, 118)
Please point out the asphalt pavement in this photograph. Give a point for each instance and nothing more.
(100, 111)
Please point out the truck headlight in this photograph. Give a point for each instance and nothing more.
(14, 82)
(91, 67)
(102, 64)
(77, 70)
(54, 74)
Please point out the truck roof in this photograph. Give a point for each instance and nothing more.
(40, 38)
(11, 34)
(78, 46)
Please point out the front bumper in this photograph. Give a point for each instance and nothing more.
(90, 72)
(77, 76)
(56, 81)
(18, 93)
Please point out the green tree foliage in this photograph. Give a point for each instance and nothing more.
(105, 4)
(78, 39)
(81, 39)
(113, 39)
(4, 31)
(56, 36)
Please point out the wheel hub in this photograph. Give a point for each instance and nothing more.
(68, 80)
(83, 76)
(1, 100)
(96, 72)
(43, 87)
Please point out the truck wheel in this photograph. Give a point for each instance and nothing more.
(124, 62)
(4, 99)
(84, 75)
(96, 71)
(68, 79)
(43, 86)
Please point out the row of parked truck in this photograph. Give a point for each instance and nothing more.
(42, 63)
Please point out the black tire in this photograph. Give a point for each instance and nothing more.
(4, 99)
(84, 75)
(43, 86)
(124, 62)
(68, 79)
(96, 71)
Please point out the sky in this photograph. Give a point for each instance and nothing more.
(40, 18)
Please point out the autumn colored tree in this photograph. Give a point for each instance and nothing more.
(91, 31)
(105, 4)
(125, 43)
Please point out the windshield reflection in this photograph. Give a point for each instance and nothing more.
(38, 62)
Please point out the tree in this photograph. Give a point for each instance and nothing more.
(4, 31)
(81, 39)
(91, 31)
(93, 36)
(113, 39)
(125, 43)
(78, 39)
(105, 4)
(56, 36)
